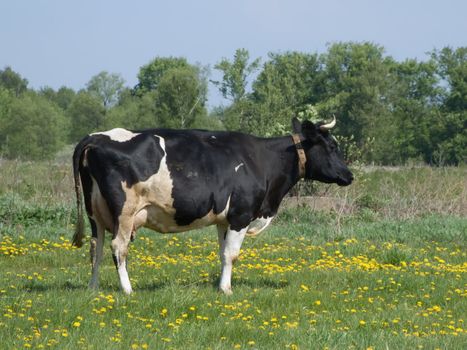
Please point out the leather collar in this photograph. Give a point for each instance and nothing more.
(301, 155)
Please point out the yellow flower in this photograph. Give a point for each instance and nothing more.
(362, 323)
(76, 324)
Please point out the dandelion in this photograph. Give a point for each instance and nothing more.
(361, 322)
(76, 324)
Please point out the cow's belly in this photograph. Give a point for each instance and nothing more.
(158, 219)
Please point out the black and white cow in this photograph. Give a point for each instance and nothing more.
(179, 180)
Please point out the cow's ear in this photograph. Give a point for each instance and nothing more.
(296, 126)
(308, 129)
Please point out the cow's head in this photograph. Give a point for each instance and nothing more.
(324, 161)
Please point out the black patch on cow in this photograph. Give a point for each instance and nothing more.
(93, 228)
(86, 182)
(202, 166)
(114, 258)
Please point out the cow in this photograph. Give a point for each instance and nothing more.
(177, 180)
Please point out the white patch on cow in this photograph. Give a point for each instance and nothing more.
(222, 216)
(152, 203)
(258, 225)
(238, 166)
(213, 137)
(118, 134)
(151, 200)
(124, 279)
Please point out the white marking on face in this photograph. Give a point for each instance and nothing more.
(258, 225)
(238, 166)
(118, 134)
(213, 137)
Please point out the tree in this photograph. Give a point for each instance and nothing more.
(450, 129)
(180, 97)
(6, 100)
(86, 115)
(106, 87)
(235, 75)
(413, 102)
(133, 112)
(150, 75)
(63, 97)
(33, 129)
(286, 84)
(355, 90)
(12, 81)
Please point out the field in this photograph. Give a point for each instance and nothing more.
(384, 269)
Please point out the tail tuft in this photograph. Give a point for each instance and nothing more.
(78, 236)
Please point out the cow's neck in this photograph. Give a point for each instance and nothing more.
(283, 170)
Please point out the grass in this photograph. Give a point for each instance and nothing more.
(375, 277)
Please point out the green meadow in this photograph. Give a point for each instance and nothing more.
(383, 267)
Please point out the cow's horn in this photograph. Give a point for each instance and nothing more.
(329, 125)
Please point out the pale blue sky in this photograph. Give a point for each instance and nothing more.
(59, 42)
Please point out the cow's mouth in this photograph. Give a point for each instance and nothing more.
(344, 181)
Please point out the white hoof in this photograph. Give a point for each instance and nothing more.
(226, 291)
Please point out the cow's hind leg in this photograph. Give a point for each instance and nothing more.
(120, 244)
(96, 251)
(230, 242)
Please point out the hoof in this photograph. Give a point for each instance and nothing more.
(128, 291)
(226, 291)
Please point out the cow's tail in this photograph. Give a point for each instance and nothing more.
(79, 229)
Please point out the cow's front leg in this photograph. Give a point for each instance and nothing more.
(120, 245)
(230, 242)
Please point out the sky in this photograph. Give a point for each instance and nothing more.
(64, 43)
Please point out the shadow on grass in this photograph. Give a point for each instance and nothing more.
(37, 286)
(260, 283)
(211, 283)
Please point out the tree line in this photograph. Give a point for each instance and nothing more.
(389, 112)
